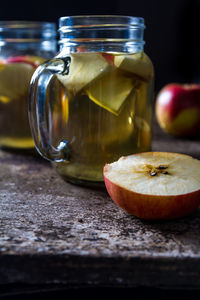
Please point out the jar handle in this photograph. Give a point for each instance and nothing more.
(37, 115)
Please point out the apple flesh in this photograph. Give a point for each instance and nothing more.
(178, 109)
(15, 75)
(154, 185)
(137, 64)
(84, 68)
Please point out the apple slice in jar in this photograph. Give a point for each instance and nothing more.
(34, 61)
(83, 69)
(14, 80)
(155, 185)
(110, 91)
(15, 75)
(138, 63)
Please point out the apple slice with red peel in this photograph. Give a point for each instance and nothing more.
(34, 61)
(109, 57)
(84, 68)
(15, 76)
(155, 185)
(138, 64)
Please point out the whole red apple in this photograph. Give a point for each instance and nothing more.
(178, 109)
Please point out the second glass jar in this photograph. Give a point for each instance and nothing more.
(23, 46)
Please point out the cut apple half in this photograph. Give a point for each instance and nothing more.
(155, 185)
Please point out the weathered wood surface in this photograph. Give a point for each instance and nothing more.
(52, 232)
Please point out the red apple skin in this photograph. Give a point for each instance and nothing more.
(31, 60)
(152, 207)
(20, 59)
(109, 57)
(178, 109)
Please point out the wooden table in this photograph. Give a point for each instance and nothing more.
(53, 233)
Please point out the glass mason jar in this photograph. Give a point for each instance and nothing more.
(92, 103)
(23, 46)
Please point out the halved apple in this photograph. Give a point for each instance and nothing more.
(155, 185)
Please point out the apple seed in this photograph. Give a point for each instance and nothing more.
(153, 173)
(162, 167)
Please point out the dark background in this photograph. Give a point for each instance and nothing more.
(172, 38)
(172, 29)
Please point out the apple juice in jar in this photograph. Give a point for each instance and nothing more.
(24, 46)
(100, 103)
(106, 111)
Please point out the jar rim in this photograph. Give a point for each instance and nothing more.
(113, 33)
(100, 20)
(22, 24)
(16, 31)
